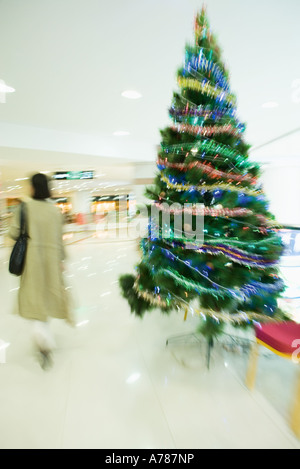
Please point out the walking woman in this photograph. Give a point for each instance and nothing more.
(42, 293)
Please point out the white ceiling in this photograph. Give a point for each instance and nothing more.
(69, 61)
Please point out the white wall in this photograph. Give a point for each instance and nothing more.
(281, 184)
(81, 202)
(143, 177)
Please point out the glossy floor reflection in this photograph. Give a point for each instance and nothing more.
(116, 384)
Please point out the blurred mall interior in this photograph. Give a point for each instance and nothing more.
(85, 88)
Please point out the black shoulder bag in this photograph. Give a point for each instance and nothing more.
(18, 254)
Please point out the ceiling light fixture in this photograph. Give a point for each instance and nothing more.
(270, 104)
(132, 378)
(131, 94)
(121, 133)
(5, 88)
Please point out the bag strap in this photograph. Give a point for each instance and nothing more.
(23, 221)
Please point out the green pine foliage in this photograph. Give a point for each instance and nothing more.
(235, 271)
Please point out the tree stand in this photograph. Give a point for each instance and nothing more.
(210, 344)
(194, 338)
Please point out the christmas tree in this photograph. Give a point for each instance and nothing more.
(231, 273)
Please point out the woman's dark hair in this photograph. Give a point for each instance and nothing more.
(40, 184)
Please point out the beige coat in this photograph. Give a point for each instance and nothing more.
(42, 292)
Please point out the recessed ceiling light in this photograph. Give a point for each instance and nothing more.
(132, 378)
(121, 133)
(5, 88)
(270, 104)
(131, 94)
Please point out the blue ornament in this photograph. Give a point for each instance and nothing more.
(244, 199)
(218, 193)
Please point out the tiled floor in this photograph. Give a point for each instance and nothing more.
(116, 384)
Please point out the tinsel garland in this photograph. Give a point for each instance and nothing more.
(192, 285)
(241, 294)
(190, 243)
(232, 242)
(200, 62)
(192, 73)
(223, 106)
(213, 212)
(183, 107)
(207, 187)
(206, 168)
(204, 87)
(205, 112)
(204, 146)
(254, 288)
(234, 254)
(249, 289)
(205, 211)
(207, 131)
(215, 159)
(154, 300)
(237, 255)
(236, 318)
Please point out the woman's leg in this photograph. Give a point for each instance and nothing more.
(44, 341)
